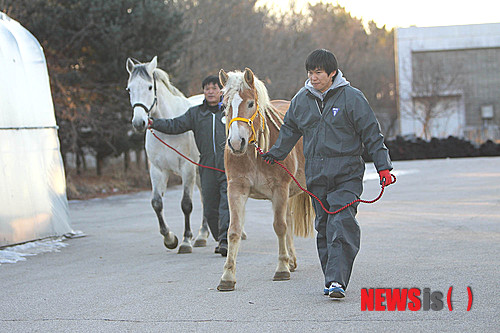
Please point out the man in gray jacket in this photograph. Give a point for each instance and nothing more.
(336, 121)
(206, 122)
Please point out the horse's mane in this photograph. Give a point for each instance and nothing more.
(163, 77)
(236, 83)
(158, 74)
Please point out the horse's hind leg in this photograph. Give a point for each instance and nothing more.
(292, 262)
(280, 198)
(159, 184)
(203, 233)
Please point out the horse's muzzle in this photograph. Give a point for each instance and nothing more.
(139, 125)
(239, 148)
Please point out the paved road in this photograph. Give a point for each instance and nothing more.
(439, 226)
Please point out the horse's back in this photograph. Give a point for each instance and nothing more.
(196, 99)
(281, 106)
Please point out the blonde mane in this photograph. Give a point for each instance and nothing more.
(236, 83)
(163, 77)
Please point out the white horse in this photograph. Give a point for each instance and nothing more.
(152, 94)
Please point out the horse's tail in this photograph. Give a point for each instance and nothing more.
(302, 215)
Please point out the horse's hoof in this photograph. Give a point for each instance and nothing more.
(200, 243)
(281, 276)
(173, 245)
(185, 248)
(226, 285)
(243, 235)
(292, 266)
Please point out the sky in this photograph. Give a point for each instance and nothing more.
(420, 13)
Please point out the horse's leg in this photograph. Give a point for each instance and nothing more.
(203, 233)
(292, 263)
(188, 178)
(187, 208)
(280, 200)
(159, 184)
(237, 197)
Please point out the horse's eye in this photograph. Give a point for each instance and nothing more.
(150, 87)
(250, 105)
(127, 89)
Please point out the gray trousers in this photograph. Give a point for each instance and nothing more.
(337, 182)
(215, 205)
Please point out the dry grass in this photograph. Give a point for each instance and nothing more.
(114, 180)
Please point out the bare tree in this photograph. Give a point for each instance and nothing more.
(436, 89)
(365, 56)
(235, 34)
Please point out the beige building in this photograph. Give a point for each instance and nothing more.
(448, 81)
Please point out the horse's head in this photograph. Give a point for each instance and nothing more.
(142, 89)
(241, 107)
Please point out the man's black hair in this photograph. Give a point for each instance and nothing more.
(321, 59)
(211, 79)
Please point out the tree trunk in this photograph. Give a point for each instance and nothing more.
(138, 158)
(126, 160)
(78, 163)
(98, 164)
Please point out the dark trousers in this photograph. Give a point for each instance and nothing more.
(215, 206)
(338, 238)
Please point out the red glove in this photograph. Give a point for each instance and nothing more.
(269, 158)
(385, 177)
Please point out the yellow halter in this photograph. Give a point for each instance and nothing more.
(250, 123)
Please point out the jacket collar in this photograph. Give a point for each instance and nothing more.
(208, 109)
(338, 81)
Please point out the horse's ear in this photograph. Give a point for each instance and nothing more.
(153, 64)
(130, 65)
(249, 76)
(223, 77)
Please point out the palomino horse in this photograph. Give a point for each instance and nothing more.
(251, 118)
(152, 94)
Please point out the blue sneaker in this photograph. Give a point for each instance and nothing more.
(326, 291)
(336, 291)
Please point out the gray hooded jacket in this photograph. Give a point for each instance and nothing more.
(336, 123)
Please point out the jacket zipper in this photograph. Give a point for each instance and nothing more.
(319, 109)
(213, 134)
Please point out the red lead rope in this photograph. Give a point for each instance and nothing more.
(315, 197)
(289, 173)
(178, 152)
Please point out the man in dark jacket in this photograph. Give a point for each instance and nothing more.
(335, 120)
(206, 122)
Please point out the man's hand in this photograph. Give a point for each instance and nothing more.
(385, 177)
(269, 158)
(150, 122)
